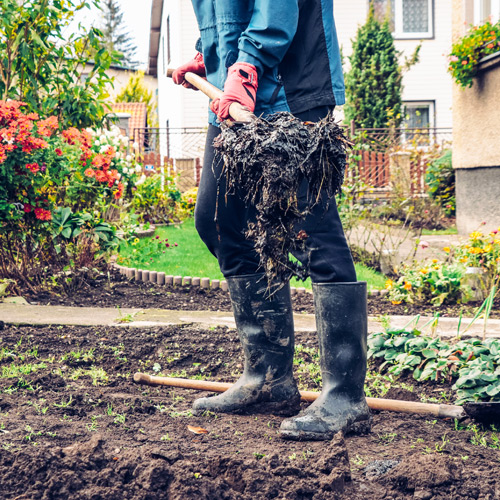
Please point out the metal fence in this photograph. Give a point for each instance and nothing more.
(179, 151)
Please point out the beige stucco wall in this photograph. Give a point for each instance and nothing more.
(476, 153)
(476, 110)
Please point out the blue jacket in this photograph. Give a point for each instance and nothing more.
(292, 43)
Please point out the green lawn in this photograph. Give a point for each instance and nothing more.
(449, 230)
(191, 258)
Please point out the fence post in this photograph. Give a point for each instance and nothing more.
(353, 128)
(400, 174)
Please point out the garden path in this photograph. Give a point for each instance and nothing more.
(22, 314)
(399, 245)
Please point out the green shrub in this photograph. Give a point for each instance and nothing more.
(427, 282)
(472, 363)
(440, 178)
(154, 200)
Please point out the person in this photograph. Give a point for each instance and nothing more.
(270, 56)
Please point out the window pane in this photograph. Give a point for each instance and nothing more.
(384, 8)
(417, 116)
(416, 16)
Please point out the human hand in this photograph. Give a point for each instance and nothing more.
(241, 87)
(196, 65)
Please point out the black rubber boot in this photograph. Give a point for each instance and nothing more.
(341, 317)
(265, 328)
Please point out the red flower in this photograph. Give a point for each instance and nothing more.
(43, 214)
(59, 152)
(27, 208)
(118, 193)
(100, 176)
(89, 172)
(47, 127)
(33, 167)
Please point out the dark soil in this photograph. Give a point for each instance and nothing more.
(114, 290)
(74, 425)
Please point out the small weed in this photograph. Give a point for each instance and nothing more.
(166, 437)
(119, 419)
(293, 456)
(93, 426)
(259, 456)
(358, 461)
(389, 437)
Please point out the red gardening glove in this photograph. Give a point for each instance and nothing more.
(241, 86)
(196, 66)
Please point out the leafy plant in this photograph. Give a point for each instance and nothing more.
(430, 281)
(473, 364)
(44, 67)
(155, 199)
(440, 179)
(466, 53)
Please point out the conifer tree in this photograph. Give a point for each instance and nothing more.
(115, 35)
(373, 84)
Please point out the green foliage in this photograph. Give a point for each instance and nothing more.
(474, 364)
(440, 178)
(466, 53)
(42, 66)
(427, 282)
(155, 201)
(136, 91)
(373, 84)
(146, 252)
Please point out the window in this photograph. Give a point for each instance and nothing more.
(407, 18)
(417, 114)
(479, 11)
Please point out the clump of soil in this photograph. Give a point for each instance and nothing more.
(74, 425)
(267, 160)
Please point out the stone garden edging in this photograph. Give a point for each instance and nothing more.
(161, 278)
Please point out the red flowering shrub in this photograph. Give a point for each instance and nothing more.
(42, 168)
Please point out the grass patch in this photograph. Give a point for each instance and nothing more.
(448, 230)
(191, 258)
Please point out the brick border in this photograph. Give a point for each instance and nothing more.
(161, 278)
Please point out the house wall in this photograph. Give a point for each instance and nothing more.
(428, 80)
(178, 106)
(476, 155)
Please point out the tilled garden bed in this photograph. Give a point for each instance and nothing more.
(74, 425)
(114, 290)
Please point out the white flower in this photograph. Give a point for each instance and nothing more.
(125, 170)
(119, 176)
(103, 149)
(135, 145)
(141, 180)
(97, 143)
(128, 158)
(138, 168)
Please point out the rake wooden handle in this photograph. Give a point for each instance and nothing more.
(236, 110)
(442, 411)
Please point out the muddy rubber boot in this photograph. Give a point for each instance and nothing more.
(341, 317)
(265, 329)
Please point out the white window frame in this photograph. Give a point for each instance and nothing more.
(479, 17)
(398, 22)
(420, 104)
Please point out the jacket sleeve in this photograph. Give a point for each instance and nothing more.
(269, 34)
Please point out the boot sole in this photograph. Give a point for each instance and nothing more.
(356, 428)
(281, 408)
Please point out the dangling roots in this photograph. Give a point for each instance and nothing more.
(266, 160)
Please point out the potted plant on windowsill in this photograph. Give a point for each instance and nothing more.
(479, 48)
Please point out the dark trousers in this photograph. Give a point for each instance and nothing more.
(221, 222)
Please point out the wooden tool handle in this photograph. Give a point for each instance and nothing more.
(442, 411)
(236, 110)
